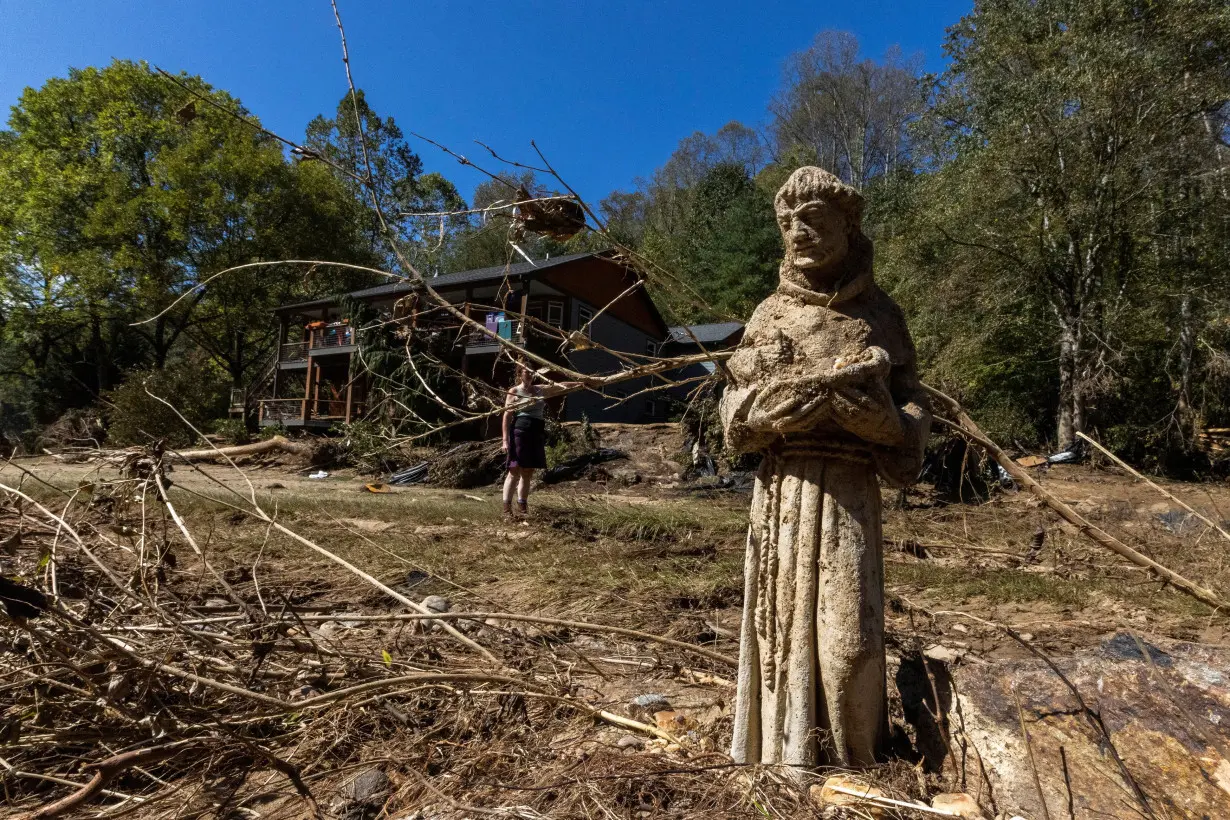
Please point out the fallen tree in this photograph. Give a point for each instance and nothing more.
(272, 445)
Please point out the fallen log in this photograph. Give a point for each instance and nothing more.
(275, 444)
(961, 423)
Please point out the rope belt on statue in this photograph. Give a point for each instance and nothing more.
(837, 450)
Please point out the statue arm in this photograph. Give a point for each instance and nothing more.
(900, 464)
(737, 407)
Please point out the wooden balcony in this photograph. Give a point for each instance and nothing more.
(330, 338)
(482, 341)
(337, 338)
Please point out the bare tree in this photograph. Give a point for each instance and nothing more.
(851, 113)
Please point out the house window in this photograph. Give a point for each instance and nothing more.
(534, 309)
(555, 313)
(651, 408)
(651, 347)
(585, 315)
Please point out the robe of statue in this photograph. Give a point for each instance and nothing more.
(825, 385)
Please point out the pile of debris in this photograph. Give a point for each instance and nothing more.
(144, 677)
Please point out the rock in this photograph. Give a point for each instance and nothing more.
(834, 793)
(943, 654)
(437, 603)
(647, 704)
(630, 742)
(368, 785)
(1156, 699)
(305, 692)
(666, 720)
(364, 796)
(959, 804)
(1180, 522)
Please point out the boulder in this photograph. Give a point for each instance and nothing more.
(1166, 709)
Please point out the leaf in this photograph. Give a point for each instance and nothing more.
(388, 659)
(43, 561)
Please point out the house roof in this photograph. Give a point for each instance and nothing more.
(705, 334)
(496, 273)
(491, 275)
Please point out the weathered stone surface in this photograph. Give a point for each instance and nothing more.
(437, 603)
(1168, 716)
(363, 797)
(958, 804)
(824, 384)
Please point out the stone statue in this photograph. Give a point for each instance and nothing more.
(824, 384)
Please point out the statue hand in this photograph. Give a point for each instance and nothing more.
(868, 412)
(782, 404)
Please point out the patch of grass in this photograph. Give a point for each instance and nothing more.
(996, 586)
(660, 521)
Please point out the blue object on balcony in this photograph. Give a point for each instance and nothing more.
(505, 330)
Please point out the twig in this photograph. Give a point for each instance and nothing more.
(1163, 491)
(1029, 750)
(104, 771)
(509, 616)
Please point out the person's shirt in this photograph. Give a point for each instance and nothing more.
(535, 408)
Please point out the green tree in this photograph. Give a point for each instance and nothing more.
(119, 196)
(1062, 258)
(397, 184)
(731, 243)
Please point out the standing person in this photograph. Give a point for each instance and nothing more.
(525, 438)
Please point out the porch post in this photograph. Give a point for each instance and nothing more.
(349, 389)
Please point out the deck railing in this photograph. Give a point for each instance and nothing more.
(335, 409)
(336, 336)
(294, 352)
(282, 409)
(509, 329)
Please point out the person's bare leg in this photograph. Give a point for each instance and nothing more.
(510, 483)
(523, 491)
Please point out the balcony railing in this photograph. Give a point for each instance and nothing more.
(509, 329)
(294, 352)
(335, 336)
(282, 409)
(334, 409)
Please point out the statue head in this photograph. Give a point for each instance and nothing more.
(821, 219)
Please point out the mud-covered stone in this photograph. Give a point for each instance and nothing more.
(1166, 709)
(363, 797)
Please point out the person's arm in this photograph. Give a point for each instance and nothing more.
(509, 399)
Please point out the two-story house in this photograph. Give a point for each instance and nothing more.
(313, 384)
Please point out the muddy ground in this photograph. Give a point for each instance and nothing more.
(641, 549)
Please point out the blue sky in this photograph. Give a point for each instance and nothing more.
(606, 88)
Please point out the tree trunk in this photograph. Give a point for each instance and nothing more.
(1071, 407)
(277, 443)
(1187, 344)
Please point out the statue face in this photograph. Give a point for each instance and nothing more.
(816, 235)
